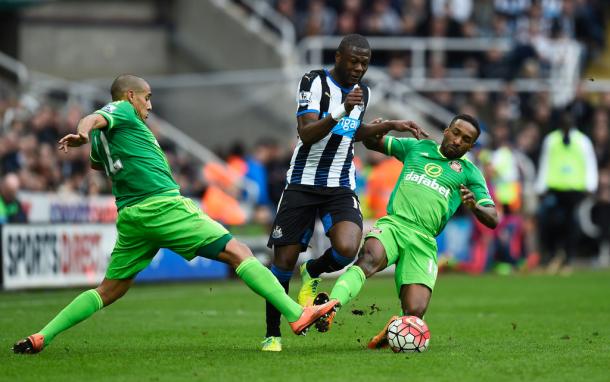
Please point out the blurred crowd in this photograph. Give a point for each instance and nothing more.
(534, 25)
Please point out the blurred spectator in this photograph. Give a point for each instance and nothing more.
(506, 177)
(257, 171)
(287, 9)
(276, 166)
(318, 20)
(397, 68)
(528, 142)
(459, 10)
(382, 19)
(11, 210)
(601, 138)
(603, 216)
(415, 17)
(347, 23)
(220, 197)
(567, 173)
(581, 108)
(381, 180)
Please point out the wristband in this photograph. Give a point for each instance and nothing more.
(338, 113)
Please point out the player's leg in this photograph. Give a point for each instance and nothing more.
(414, 299)
(342, 221)
(284, 261)
(345, 238)
(415, 276)
(263, 282)
(372, 260)
(131, 254)
(292, 230)
(81, 308)
(349, 284)
(190, 233)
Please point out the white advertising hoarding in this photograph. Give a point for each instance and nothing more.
(43, 207)
(55, 255)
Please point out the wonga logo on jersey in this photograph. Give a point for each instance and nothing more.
(346, 126)
(423, 179)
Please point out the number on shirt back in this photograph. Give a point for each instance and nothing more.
(112, 166)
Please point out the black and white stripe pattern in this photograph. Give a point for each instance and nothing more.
(328, 162)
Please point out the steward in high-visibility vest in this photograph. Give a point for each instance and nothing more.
(567, 166)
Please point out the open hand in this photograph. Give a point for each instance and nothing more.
(409, 126)
(72, 140)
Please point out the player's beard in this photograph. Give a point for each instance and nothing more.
(451, 152)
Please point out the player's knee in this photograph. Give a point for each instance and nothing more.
(346, 248)
(235, 253)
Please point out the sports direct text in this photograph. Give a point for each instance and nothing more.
(422, 179)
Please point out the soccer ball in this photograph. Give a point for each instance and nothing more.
(408, 334)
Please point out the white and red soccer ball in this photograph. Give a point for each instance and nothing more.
(408, 334)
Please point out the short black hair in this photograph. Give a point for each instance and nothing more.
(353, 41)
(123, 83)
(468, 118)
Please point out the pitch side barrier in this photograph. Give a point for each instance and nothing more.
(70, 255)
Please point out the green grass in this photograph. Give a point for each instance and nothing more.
(488, 328)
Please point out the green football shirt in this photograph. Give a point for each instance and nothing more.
(131, 156)
(427, 193)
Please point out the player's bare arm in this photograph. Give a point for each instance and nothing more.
(379, 128)
(311, 130)
(374, 138)
(85, 125)
(97, 166)
(374, 143)
(485, 214)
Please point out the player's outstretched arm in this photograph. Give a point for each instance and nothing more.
(485, 214)
(311, 129)
(375, 142)
(97, 167)
(85, 125)
(379, 128)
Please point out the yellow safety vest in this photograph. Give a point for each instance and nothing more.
(567, 166)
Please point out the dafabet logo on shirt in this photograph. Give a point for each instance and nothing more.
(425, 181)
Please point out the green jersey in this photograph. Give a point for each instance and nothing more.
(427, 193)
(131, 156)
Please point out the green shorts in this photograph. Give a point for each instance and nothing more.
(172, 222)
(413, 252)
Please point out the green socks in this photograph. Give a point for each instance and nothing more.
(264, 283)
(81, 308)
(348, 285)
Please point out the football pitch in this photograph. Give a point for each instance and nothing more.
(486, 328)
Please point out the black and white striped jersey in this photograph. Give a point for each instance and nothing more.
(328, 162)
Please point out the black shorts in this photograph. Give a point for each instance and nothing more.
(295, 219)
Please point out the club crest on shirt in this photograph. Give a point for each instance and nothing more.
(277, 232)
(304, 98)
(455, 166)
